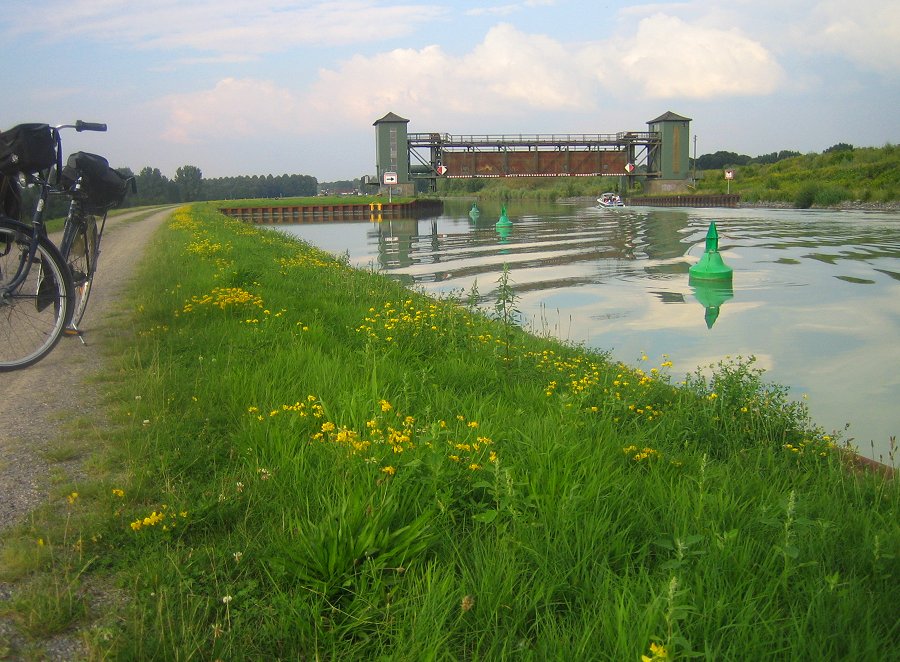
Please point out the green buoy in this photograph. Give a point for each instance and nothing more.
(711, 266)
(504, 219)
(474, 212)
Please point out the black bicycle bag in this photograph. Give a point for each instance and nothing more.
(27, 148)
(10, 197)
(102, 186)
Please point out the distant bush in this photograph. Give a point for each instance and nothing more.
(806, 196)
(831, 196)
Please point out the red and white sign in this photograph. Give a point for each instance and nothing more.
(629, 167)
(390, 178)
(729, 174)
(441, 169)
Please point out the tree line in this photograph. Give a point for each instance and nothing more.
(189, 185)
(723, 159)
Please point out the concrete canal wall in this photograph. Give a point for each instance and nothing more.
(721, 200)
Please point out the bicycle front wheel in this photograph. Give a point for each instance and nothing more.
(80, 249)
(34, 312)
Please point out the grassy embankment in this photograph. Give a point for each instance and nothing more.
(320, 464)
(865, 174)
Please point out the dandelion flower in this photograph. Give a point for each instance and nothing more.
(467, 603)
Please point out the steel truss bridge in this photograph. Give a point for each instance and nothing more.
(436, 155)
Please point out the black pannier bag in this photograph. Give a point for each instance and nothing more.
(27, 148)
(102, 186)
(10, 197)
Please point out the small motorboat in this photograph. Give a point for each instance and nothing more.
(610, 200)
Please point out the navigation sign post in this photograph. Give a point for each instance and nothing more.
(729, 175)
(629, 168)
(442, 170)
(390, 178)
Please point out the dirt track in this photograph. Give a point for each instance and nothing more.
(37, 398)
(38, 402)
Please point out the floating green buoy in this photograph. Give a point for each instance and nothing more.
(504, 219)
(474, 212)
(711, 266)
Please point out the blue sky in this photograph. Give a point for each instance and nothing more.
(243, 87)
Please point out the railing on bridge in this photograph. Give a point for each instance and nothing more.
(532, 141)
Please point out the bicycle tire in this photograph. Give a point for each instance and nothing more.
(34, 314)
(80, 249)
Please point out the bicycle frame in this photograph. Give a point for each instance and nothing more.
(40, 230)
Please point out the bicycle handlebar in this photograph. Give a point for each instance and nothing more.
(82, 126)
(89, 126)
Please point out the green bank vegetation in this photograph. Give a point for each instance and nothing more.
(862, 174)
(312, 462)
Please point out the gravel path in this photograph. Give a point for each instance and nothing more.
(39, 400)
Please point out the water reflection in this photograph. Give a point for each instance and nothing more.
(711, 295)
(815, 294)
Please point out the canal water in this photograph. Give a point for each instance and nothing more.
(815, 295)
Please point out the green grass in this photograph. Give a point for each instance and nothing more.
(320, 464)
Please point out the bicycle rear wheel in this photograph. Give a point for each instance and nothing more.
(32, 315)
(80, 248)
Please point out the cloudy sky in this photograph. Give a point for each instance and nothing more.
(243, 87)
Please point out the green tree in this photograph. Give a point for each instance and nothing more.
(153, 188)
(189, 180)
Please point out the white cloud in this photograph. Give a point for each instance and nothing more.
(670, 58)
(508, 73)
(869, 35)
(233, 108)
(511, 72)
(221, 26)
(510, 8)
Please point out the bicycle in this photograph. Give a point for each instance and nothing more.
(40, 293)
